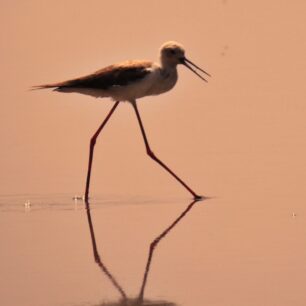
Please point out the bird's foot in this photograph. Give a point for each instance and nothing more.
(198, 197)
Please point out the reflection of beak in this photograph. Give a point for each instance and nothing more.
(185, 62)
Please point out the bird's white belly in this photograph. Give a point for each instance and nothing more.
(130, 92)
(153, 84)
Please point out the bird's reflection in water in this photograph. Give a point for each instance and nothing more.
(125, 300)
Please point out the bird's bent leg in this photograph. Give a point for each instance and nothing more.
(92, 145)
(152, 155)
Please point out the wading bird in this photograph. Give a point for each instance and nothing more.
(129, 81)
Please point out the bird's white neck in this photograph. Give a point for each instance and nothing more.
(168, 69)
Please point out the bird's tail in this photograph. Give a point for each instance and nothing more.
(46, 86)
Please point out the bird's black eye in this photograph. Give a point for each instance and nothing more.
(172, 51)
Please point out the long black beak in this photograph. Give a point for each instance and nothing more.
(186, 61)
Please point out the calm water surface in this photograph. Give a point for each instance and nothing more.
(61, 251)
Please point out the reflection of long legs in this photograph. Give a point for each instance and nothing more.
(152, 155)
(155, 242)
(97, 256)
(92, 145)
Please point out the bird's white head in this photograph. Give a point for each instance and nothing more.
(173, 53)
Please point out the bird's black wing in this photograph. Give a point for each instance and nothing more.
(114, 75)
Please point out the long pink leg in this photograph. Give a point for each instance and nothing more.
(92, 145)
(152, 155)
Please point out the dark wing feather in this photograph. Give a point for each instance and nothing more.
(114, 75)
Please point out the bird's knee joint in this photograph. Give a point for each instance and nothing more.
(153, 244)
(150, 153)
(92, 141)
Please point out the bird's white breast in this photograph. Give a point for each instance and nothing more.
(162, 81)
